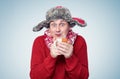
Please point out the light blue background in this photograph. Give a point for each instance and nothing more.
(17, 18)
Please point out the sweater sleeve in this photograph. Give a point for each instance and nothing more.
(77, 65)
(41, 67)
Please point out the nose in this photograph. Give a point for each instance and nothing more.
(58, 29)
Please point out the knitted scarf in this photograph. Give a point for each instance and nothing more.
(71, 36)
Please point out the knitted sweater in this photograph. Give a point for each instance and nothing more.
(43, 66)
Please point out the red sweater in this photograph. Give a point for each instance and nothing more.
(43, 66)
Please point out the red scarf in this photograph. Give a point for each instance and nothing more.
(71, 36)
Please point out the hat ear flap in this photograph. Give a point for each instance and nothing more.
(72, 23)
(79, 21)
(40, 26)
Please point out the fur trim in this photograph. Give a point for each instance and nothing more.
(40, 26)
(58, 12)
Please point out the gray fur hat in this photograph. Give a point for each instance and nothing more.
(59, 12)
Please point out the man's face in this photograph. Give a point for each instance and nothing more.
(59, 28)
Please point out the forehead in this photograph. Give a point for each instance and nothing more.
(57, 21)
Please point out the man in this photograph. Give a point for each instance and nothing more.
(53, 58)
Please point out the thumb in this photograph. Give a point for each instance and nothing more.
(69, 42)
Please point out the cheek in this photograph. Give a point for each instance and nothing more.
(65, 30)
(52, 31)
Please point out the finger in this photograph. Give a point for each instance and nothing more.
(66, 44)
(61, 49)
(61, 52)
(63, 45)
(58, 53)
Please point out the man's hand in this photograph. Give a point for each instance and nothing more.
(53, 51)
(65, 49)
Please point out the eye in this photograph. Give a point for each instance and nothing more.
(53, 24)
(62, 24)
